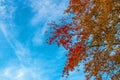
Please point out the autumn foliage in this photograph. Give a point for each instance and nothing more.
(98, 20)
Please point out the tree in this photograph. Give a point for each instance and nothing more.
(99, 21)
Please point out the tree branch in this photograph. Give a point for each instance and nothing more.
(115, 43)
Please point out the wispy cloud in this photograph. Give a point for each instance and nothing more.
(7, 9)
(21, 51)
(6, 28)
(6, 13)
(22, 73)
(48, 9)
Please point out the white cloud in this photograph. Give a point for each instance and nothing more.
(6, 10)
(22, 73)
(39, 35)
(45, 10)
(42, 10)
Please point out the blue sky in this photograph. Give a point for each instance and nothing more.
(24, 54)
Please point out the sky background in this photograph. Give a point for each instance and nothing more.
(24, 54)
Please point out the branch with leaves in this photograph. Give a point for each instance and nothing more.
(101, 56)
